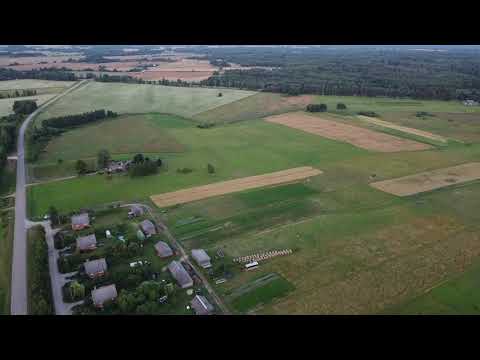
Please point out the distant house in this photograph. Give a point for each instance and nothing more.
(87, 243)
(201, 306)
(95, 268)
(118, 166)
(103, 294)
(201, 258)
(163, 250)
(80, 221)
(135, 211)
(148, 228)
(180, 274)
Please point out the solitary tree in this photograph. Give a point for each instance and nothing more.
(53, 214)
(103, 158)
(81, 167)
(341, 106)
(137, 159)
(77, 290)
(210, 169)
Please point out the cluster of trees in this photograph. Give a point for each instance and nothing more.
(24, 107)
(316, 107)
(40, 285)
(144, 299)
(143, 166)
(69, 121)
(16, 93)
(42, 73)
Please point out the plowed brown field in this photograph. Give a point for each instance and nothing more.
(230, 186)
(430, 180)
(361, 137)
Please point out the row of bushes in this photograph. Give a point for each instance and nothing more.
(39, 277)
(78, 119)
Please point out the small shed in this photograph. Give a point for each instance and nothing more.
(148, 228)
(201, 257)
(86, 243)
(103, 294)
(180, 274)
(201, 305)
(163, 250)
(95, 268)
(135, 210)
(80, 221)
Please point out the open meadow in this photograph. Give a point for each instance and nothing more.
(354, 249)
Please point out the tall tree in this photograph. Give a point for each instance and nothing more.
(103, 158)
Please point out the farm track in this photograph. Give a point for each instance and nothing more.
(230, 186)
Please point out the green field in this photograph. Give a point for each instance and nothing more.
(357, 250)
(7, 104)
(33, 84)
(140, 98)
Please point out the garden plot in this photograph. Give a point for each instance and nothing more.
(430, 180)
(230, 186)
(357, 136)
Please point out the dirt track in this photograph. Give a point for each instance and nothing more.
(226, 187)
(361, 137)
(405, 129)
(430, 180)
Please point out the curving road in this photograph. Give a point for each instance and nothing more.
(19, 297)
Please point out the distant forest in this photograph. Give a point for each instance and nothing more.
(422, 74)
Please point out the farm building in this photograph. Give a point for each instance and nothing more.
(135, 210)
(86, 243)
(470, 103)
(148, 228)
(80, 221)
(103, 294)
(201, 306)
(163, 250)
(202, 258)
(118, 166)
(95, 268)
(180, 274)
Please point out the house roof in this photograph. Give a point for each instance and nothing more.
(81, 219)
(163, 249)
(148, 227)
(105, 293)
(200, 256)
(95, 266)
(180, 274)
(84, 242)
(137, 210)
(201, 305)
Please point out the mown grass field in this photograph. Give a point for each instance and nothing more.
(141, 98)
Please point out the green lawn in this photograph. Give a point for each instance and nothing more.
(142, 98)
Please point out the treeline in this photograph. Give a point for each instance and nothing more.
(41, 74)
(392, 73)
(16, 93)
(40, 287)
(69, 121)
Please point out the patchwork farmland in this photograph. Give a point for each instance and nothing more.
(337, 208)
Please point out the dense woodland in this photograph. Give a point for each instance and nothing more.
(444, 75)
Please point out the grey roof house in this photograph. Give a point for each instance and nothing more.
(85, 243)
(95, 268)
(180, 274)
(163, 250)
(201, 306)
(80, 221)
(103, 294)
(148, 228)
(135, 210)
(202, 258)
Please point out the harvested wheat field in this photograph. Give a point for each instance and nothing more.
(425, 134)
(361, 137)
(430, 180)
(230, 186)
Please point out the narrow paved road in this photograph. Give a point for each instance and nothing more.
(19, 301)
